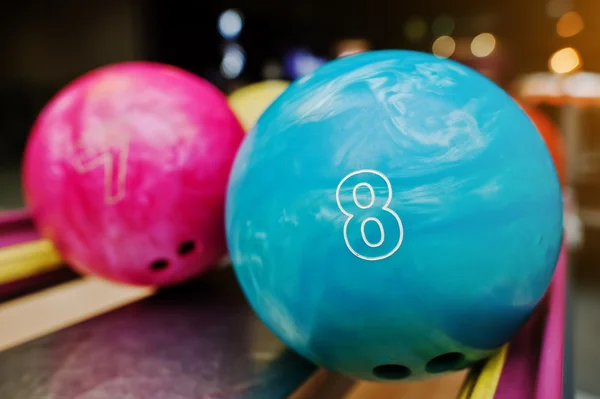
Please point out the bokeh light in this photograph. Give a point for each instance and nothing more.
(569, 24)
(348, 47)
(443, 46)
(230, 24)
(299, 62)
(565, 60)
(483, 45)
(415, 29)
(556, 8)
(272, 70)
(234, 60)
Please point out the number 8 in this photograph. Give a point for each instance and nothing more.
(384, 208)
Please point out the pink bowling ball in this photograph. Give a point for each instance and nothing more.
(126, 170)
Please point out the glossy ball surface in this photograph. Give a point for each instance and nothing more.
(126, 171)
(394, 215)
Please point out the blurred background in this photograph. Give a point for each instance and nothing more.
(537, 49)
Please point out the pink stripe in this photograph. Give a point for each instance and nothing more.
(518, 375)
(550, 370)
(18, 237)
(534, 363)
(16, 226)
(14, 216)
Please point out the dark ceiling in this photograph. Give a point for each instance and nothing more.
(521, 25)
(50, 43)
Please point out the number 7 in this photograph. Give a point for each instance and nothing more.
(114, 161)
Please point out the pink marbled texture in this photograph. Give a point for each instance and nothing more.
(125, 164)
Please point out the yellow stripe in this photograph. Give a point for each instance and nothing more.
(27, 259)
(487, 383)
(469, 383)
(44, 312)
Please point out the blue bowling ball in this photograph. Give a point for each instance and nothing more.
(393, 216)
